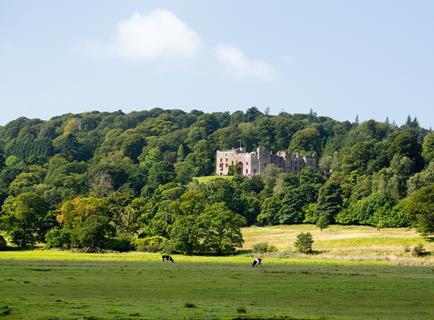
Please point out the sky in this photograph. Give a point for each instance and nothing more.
(370, 58)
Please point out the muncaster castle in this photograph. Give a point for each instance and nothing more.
(254, 163)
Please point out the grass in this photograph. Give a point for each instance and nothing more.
(207, 179)
(65, 285)
(358, 273)
(345, 242)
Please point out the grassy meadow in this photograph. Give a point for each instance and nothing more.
(350, 243)
(50, 284)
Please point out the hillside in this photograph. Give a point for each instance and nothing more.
(349, 243)
(134, 175)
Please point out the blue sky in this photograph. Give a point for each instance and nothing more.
(341, 58)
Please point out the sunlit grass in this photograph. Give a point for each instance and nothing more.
(67, 285)
(206, 179)
(356, 273)
(357, 243)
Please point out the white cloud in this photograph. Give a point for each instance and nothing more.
(242, 66)
(157, 35)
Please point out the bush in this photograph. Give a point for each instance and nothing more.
(152, 244)
(419, 251)
(58, 238)
(304, 242)
(123, 242)
(263, 247)
(3, 243)
(322, 222)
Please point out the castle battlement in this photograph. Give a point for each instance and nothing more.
(254, 163)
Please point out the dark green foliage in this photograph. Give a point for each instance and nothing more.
(419, 251)
(88, 221)
(3, 243)
(152, 244)
(58, 238)
(329, 200)
(304, 242)
(241, 310)
(189, 305)
(421, 205)
(141, 166)
(68, 146)
(368, 211)
(25, 218)
(428, 147)
(322, 222)
(122, 243)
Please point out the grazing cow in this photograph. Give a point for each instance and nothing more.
(168, 258)
(257, 262)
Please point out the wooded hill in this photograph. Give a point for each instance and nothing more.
(129, 176)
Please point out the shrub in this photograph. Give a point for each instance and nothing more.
(322, 222)
(152, 244)
(3, 243)
(58, 238)
(304, 242)
(419, 251)
(263, 247)
(123, 242)
(189, 305)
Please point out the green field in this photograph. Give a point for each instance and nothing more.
(357, 273)
(65, 285)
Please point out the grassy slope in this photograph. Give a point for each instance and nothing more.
(52, 285)
(345, 242)
(206, 179)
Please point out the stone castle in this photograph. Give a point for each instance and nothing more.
(254, 163)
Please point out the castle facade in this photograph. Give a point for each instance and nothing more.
(254, 163)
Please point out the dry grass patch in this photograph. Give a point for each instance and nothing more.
(345, 242)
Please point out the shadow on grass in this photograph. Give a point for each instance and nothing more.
(317, 252)
(242, 252)
(20, 249)
(429, 238)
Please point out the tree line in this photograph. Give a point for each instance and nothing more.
(125, 181)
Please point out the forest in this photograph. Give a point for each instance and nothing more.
(126, 181)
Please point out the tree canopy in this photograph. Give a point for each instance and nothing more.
(110, 176)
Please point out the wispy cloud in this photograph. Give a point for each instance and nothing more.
(159, 34)
(241, 66)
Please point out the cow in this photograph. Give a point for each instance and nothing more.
(256, 262)
(167, 258)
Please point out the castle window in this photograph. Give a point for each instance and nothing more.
(247, 163)
(226, 165)
(247, 170)
(226, 159)
(221, 159)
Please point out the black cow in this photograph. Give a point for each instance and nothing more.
(167, 258)
(257, 262)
